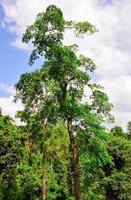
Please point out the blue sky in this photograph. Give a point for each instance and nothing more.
(13, 61)
(110, 48)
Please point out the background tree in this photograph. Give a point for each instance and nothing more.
(93, 146)
(29, 177)
(118, 131)
(117, 175)
(11, 152)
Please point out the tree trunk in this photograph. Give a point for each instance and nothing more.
(31, 149)
(43, 178)
(70, 179)
(43, 188)
(75, 160)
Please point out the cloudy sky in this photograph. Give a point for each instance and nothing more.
(110, 48)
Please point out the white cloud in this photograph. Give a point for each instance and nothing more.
(121, 119)
(19, 44)
(6, 102)
(7, 89)
(9, 107)
(110, 48)
(119, 91)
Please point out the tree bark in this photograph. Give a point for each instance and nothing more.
(43, 188)
(43, 177)
(70, 179)
(75, 160)
(31, 149)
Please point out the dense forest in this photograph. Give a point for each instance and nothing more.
(62, 150)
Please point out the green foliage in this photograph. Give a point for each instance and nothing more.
(105, 162)
(118, 131)
(117, 175)
(53, 88)
(81, 28)
(94, 155)
(53, 95)
(11, 152)
(29, 177)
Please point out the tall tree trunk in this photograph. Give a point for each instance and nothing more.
(43, 188)
(70, 179)
(43, 176)
(75, 160)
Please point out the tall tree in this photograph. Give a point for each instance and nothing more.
(55, 91)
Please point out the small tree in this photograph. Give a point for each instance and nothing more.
(0, 111)
(129, 129)
(55, 91)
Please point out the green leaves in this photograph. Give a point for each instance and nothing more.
(81, 28)
(117, 175)
(11, 152)
(45, 32)
(101, 104)
(55, 16)
(61, 65)
(87, 63)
